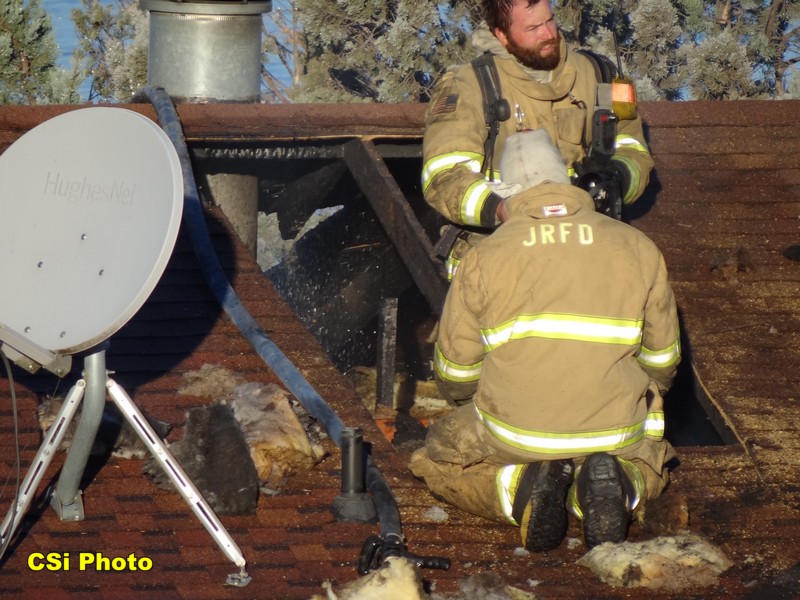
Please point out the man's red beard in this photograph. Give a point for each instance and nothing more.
(532, 58)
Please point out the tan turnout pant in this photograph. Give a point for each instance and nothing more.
(460, 461)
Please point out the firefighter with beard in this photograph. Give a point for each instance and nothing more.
(544, 84)
(558, 338)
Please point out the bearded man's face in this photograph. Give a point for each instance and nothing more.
(532, 36)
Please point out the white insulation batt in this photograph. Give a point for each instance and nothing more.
(672, 563)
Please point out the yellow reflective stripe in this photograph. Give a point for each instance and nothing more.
(572, 499)
(452, 371)
(445, 162)
(559, 326)
(655, 425)
(637, 477)
(473, 201)
(660, 358)
(587, 442)
(507, 479)
(451, 265)
(626, 141)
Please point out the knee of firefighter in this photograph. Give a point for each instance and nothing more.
(655, 481)
(422, 466)
(651, 459)
(458, 438)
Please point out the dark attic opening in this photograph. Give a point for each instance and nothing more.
(345, 236)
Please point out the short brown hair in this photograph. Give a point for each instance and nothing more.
(497, 13)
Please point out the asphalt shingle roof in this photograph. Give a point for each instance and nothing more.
(727, 177)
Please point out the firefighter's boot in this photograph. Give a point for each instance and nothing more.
(540, 503)
(604, 493)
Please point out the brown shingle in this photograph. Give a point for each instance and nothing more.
(727, 176)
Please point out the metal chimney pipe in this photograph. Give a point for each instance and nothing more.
(210, 51)
(206, 51)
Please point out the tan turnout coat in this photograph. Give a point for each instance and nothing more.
(562, 328)
(453, 144)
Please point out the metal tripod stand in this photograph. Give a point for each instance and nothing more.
(66, 496)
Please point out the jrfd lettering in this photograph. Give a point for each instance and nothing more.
(88, 561)
(559, 233)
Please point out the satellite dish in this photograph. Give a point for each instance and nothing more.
(91, 203)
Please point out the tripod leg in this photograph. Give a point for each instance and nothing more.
(181, 481)
(42, 460)
(66, 499)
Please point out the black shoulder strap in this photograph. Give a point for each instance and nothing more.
(604, 68)
(495, 107)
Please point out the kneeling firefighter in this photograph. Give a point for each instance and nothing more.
(558, 338)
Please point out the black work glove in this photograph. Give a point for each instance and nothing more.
(606, 182)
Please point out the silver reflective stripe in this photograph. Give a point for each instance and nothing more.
(655, 425)
(565, 327)
(453, 371)
(507, 477)
(624, 141)
(660, 358)
(636, 476)
(444, 162)
(473, 202)
(451, 265)
(571, 443)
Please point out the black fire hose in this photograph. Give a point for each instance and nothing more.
(376, 549)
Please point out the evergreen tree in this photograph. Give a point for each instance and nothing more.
(393, 50)
(693, 49)
(770, 33)
(656, 29)
(718, 68)
(379, 50)
(113, 48)
(283, 52)
(28, 53)
(643, 37)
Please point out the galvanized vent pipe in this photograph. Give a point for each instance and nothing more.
(211, 52)
(206, 51)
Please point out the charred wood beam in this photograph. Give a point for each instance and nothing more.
(356, 302)
(299, 150)
(335, 277)
(265, 151)
(398, 219)
(387, 352)
(303, 196)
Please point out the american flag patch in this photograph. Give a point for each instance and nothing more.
(445, 104)
(555, 210)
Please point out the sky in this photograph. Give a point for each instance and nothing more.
(66, 38)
